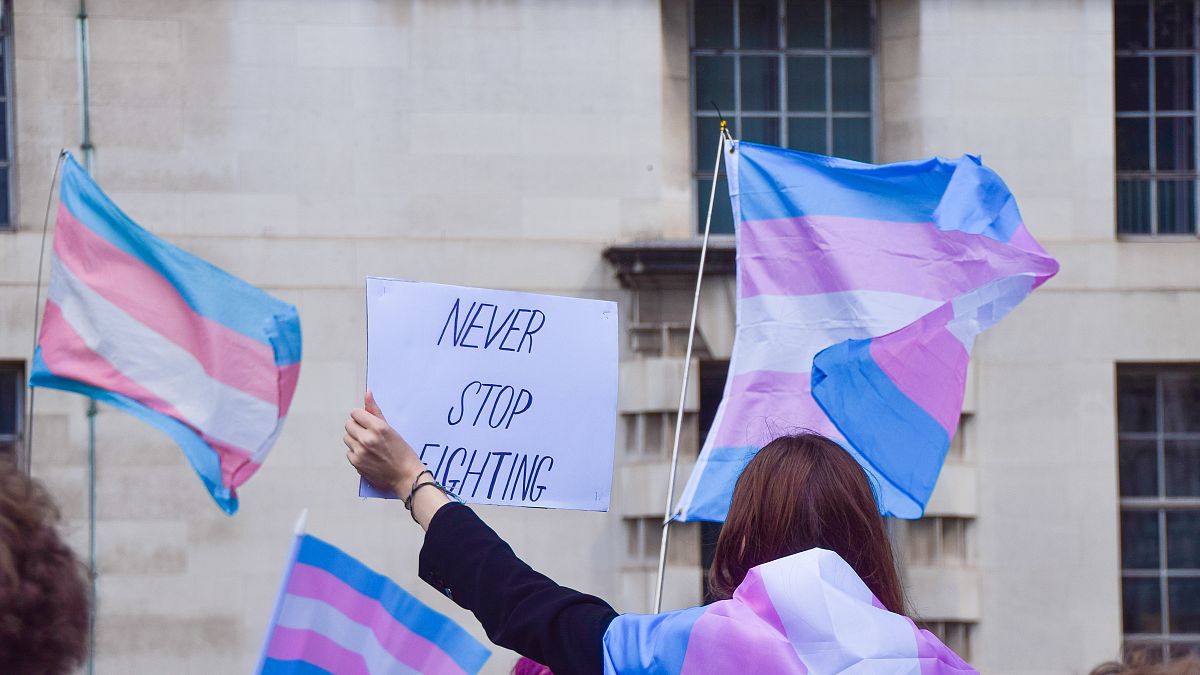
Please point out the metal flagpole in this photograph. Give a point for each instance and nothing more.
(687, 370)
(87, 148)
(26, 463)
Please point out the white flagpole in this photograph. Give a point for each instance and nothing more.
(298, 531)
(687, 370)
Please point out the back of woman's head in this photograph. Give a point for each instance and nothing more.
(43, 599)
(802, 492)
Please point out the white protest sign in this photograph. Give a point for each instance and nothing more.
(509, 398)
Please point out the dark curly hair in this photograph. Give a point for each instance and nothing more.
(43, 594)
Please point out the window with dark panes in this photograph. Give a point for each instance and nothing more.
(12, 382)
(1158, 423)
(1155, 73)
(793, 73)
(712, 389)
(7, 219)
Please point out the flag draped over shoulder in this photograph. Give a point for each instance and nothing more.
(861, 289)
(139, 324)
(336, 615)
(806, 613)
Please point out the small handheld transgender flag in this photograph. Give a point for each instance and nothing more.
(336, 615)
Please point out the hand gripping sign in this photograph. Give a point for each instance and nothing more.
(509, 398)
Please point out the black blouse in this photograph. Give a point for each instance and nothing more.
(521, 609)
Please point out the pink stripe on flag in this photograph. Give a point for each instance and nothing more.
(769, 404)
(928, 364)
(127, 282)
(849, 254)
(399, 640)
(288, 375)
(290, 644)
(68, 356)
(753, 593)
(731, 638)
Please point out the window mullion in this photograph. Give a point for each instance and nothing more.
(1160, 453)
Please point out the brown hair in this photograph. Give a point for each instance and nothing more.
(1141, 662)
(802, 492)
(43, 598)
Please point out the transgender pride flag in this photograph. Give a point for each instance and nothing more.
(139, 324)
(861, 289)
(336, 615)
(806, 613)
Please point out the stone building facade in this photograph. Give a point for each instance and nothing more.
(559, 147)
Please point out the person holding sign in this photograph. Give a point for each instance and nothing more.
(804, 575)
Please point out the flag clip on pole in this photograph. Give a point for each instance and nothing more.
(687, 369)
(298, 531)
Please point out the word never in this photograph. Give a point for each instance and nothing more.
(517, 403)
(493, 334)
(523, 472)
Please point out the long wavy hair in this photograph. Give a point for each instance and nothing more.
(800, 492)
(43, 596)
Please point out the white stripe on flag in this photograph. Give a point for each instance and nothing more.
(167, 370)
(783, 333)
(313, 615)
(821, 601)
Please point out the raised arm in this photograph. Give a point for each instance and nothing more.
(464, 559)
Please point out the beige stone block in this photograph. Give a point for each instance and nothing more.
(648, 384)
(119, 168)
(640, 488)
(161, 212)
(466, 133)
(130, 551)
(384, 45)
(296, 169)
(222, 213)
(386, 89)
(138, 84)
(492, 215)
(570, 217)
(242, 43)
(49, 37)
(141, 126)
(956, 493)
(52, 439)
(944, 593)
(113, 40)
(152, 640)
(267, 86)
(47, 82)
(717, 317)
(279, 263)
(337, 390)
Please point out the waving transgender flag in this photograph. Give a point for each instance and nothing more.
(139, 324)
(336, 615)
(861, 289)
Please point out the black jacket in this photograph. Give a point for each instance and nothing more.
(519, 608)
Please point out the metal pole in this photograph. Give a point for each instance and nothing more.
(687, 370)
(86, 147)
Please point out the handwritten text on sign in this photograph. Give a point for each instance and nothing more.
(509, 398)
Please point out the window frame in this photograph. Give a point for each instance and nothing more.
(699, 170)
(1153, 175)
(1161, 504)
(17, 368)
(8, 220)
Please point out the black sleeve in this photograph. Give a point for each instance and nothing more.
(519, 608)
